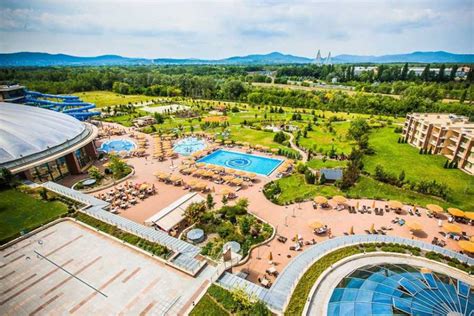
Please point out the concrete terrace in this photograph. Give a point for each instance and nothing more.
(68, 268)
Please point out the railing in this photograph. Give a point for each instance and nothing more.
(280, 293)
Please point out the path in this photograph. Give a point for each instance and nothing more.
(304, 155)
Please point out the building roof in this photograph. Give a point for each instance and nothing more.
(27, 131)
(332, 174)
(173, 214)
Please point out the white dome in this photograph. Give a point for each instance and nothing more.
(27, 130)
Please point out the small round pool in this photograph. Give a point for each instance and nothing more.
(189, 145)
(118, 145)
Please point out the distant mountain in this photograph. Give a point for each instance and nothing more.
(45, 59)
(415, 57)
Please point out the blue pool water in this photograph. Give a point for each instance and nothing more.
(189, 145)
(240, 161)
(118, 145)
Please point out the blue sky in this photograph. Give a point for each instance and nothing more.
(218, 29)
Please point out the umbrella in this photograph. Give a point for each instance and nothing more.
(240, 173)
(275, 150)
(270, 257)
(164, 176)
(200, 164)
(339, 199)
(456, 212)
(373, 204)
(219, 141)
(175, 179)
(434, 208)
(372, 228)
(469, 215)
(472, 238)
(228, 142)
(412, 225)
(144, 186)
(320, 200)
(452, 228)
(228, 178)
(395, 204)
(466, 245)
(237, 181)
(192, 183)
(357, 205)
(316, 225)
(251, 175)
(227, 191)
(351, 231)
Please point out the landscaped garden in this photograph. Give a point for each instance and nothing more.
(218, 301)
(22, 212)
(229, 223)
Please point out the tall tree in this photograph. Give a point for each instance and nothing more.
(425, 75)
(404, 73)
(442, 69)
(452, 75)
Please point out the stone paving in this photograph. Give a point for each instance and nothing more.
(70, 269)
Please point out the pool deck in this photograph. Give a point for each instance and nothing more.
(288, 220)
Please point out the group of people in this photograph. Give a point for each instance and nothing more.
(128, 194)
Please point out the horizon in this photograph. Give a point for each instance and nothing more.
(217, 30)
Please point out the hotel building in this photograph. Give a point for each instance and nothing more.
(445, 134)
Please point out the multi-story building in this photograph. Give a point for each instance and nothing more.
(444, 134)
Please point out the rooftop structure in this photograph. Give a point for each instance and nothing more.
(331, 174)
(42, 145)
(445, 134)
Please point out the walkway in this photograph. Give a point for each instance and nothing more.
(184, 253)
(279, 294)
(304, 155)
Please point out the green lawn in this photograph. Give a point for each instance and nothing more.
(319, 163)
(294, 188)
(321, 139)
(395, 157)
(108, 98)
(207, 306)
(20, 212)
(367, 187)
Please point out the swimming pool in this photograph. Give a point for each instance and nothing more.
(240, 161)
(189, 145)
(118, 145)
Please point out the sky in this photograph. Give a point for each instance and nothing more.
(219, 29)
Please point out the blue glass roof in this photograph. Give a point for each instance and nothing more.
(400, 289)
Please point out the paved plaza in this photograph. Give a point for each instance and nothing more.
(70, 269)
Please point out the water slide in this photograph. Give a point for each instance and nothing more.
(68, 104)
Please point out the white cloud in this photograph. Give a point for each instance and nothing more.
(216, 29)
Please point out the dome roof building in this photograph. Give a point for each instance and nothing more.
(44, 145)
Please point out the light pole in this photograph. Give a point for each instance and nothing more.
(286, 221)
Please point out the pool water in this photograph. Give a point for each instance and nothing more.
(118, 145)
(189, 145)
(240, 161)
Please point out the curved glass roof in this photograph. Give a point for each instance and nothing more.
(400, 290)
(27, 130)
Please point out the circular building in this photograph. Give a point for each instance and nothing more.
(43, 145)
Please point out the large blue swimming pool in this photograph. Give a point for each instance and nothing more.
(240, 161)
(118, 145)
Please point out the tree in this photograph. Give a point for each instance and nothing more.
(194, 212)
(6, 177)
(358, 128)
(401, 177)
(224, 199)
(210, 201)
(118, 167)
(446, 164)
(43, 193)
(442, 69)
(425, 75)
(233, 89)
(159, 118)
(95, 173)
(279, 137)
(404, 74)
(309, 176)
(452, 74)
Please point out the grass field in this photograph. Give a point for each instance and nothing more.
(319, 163)
(108, 98)
(294, 188)
(395, 157)
(22, 212)
(321, 140)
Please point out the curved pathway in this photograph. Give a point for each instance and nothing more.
(304, 155)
